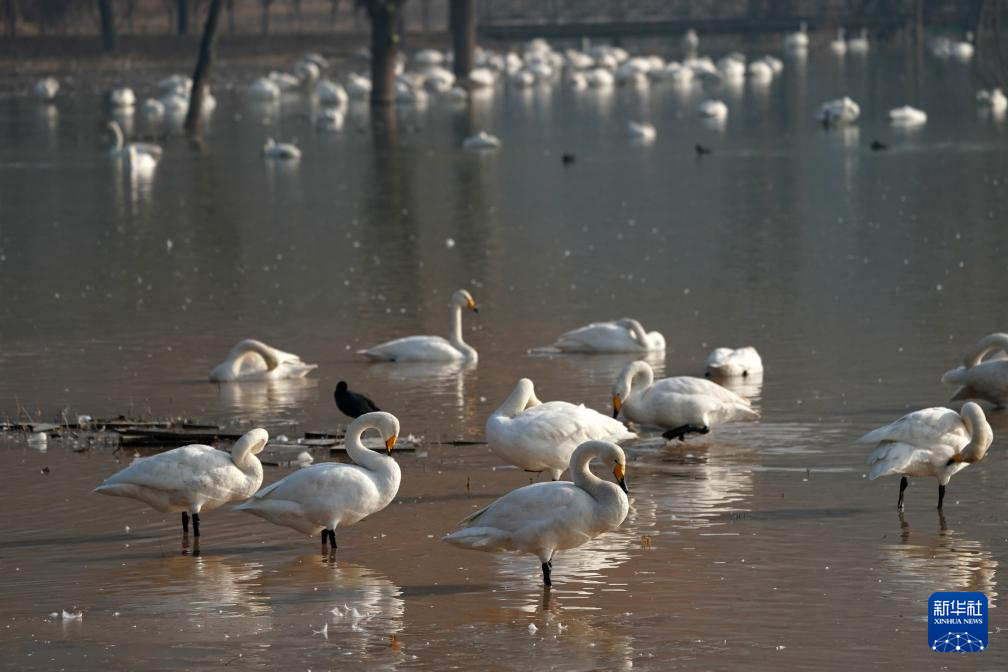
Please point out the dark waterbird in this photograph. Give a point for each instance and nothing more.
(352, 404)
(568, 159)
(878, 146)
(701, 150)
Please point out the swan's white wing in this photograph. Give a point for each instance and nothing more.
(987, 380)
(563, 422)
(901, 458)
(536, 502)
(925, 428)
(194, 467)
(598, 337)
(413, 348)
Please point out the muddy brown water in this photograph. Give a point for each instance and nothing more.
(859, 276)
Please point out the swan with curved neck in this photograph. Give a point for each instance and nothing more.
(734, 362)
(254, 360)
(537, 436)
(324, 496)
(544, 518)
(935, 442)
(982, 377)
(192, 478)
(624, 335)
(122, 149)
(431, 348)
(679, 405)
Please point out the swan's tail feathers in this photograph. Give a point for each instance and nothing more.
(473, 516)
(477, 539)
(892, 458)
(965, 393)
(747, 412)
(373, 356)
(546, 350)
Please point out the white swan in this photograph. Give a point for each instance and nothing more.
(641, 131)
(264, 88)
(139, 162)
(481, 141)
(153, 107)
(980, 378)
(254, 360)
(936, 442)
(307, 71)
(599, 78)
(430, 348)
(324, 496)
(625, 335)
(760, 71)
(331, 93)
(280, 150)
(690, 41)
(680, 405)
(544, 518)
(482, 78)
(907, 116)
(331, 119)
(122, 97)
(713, 109)
(47, 88)
(731, 363)
(963, 50)
(797, 40)
(859, 43)
(537, 436)
(994, 99)
(358, 86)
(192, 478)
(120, 149)
(838, 45)
(838, 111)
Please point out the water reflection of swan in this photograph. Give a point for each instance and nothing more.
(602, 369)
(926, 559)
(750, 387)
(276, 397)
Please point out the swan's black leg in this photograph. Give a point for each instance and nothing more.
(903, 486)
(325, 537)
(676, 433)
(332, 539)
(185, 523)
(195, 525)
(941, 496)
(546, 574)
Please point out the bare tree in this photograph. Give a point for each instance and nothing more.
(462, 23)
(182, 16)
(231, 19)
(107, 24)
(385, 39)
(202, 72)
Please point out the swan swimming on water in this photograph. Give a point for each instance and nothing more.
(280, 150)
(544, 518)
(936, 442)
(730, 363)
(907, 116)
(254, 360)
(642, 131)
(537, 436)
(47, 88)
(980, 376)
(679, 405)
(430, 348)
(481, 141)
(121, 149)
(839, 111)
(624, 335)
(322, 497)
(192, 478)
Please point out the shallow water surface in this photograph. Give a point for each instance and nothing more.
(860, 276)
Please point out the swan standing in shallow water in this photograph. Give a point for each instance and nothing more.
(980, 378)
(430, 348)
(732, 363)
(625, 335)
(544, 518)
(47, 88)
(481, 141)
(192, 478)
(936, 442)
(537, 436)
(839, 111)
(680, 405)
(643, 131)
(280, 150)
(254, 360)
(838, 45)
(713, 109)
(324, 496)
(907, 116)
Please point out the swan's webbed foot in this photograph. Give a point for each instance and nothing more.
(903, 486)
(546, 567)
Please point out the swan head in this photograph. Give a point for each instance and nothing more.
(622, 387)
(254, 441)
(386, 424)
(610, 455)
(464, 299)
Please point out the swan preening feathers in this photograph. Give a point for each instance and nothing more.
(544, 518)
(733, 363)
(254, 360)
(981, 376)
(430, 348)
(679, 405)
(537, 436)
(625, 335)
(936, 442)
(193, 478)
(324, 496)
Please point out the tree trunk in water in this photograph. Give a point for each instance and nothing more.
(107, 24)
(425, 14)
(183, 17)
(462, 23)
(384, 48)
(202, 72)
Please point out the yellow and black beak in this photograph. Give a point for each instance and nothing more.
(389, 443)
(619, 472)
(471, 305)
(617, 404)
